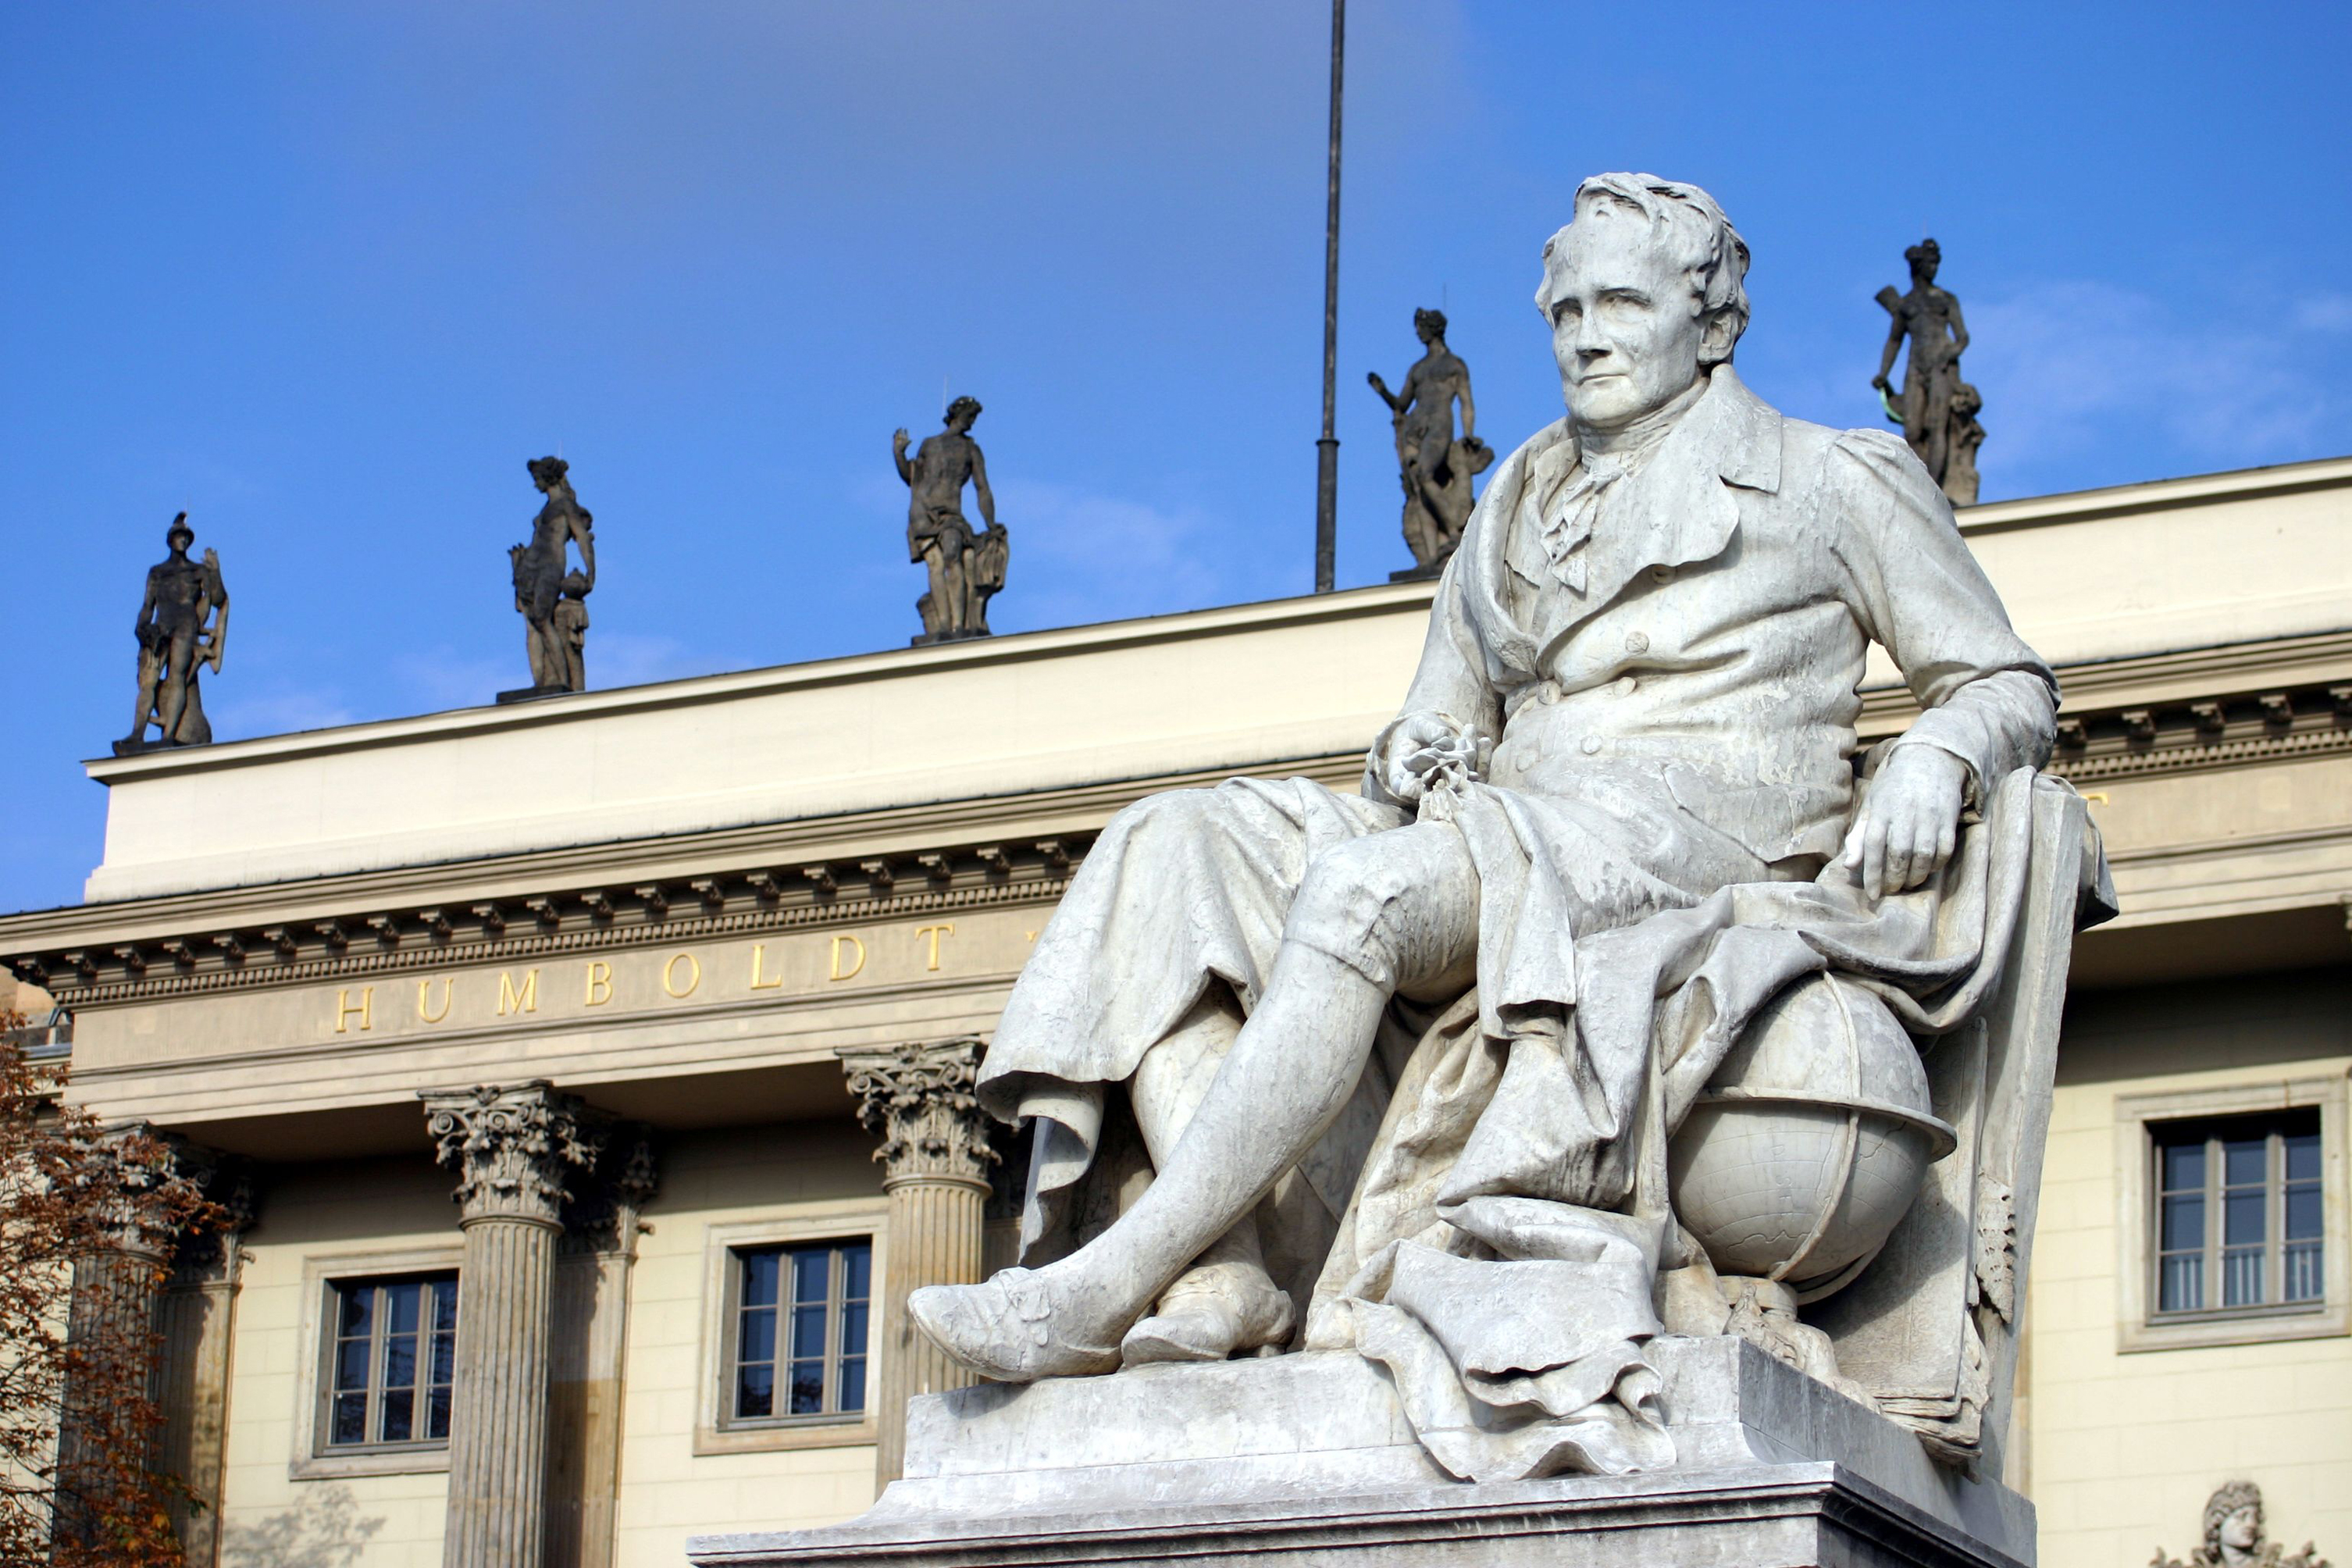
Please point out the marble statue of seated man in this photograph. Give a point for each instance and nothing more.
(1638, 692)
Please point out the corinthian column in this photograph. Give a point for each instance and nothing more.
(935, 1157)
(512, 1148)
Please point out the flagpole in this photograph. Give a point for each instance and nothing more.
(1326, 450)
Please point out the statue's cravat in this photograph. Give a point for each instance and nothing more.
(1568, 521)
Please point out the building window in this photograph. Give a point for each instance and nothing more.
(390, 1360)
(799, 1345)
(2239, 1214)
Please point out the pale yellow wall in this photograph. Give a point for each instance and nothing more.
(2125, 1448)
(813, 1171)
(667, 1492)
(268, 1518)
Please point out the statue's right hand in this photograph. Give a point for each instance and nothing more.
(1413, 749)
(898, 439)
(1882, 383)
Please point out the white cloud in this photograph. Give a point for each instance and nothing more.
(1080, 556)
(635, 659)
(2069, 366)
(278, 713)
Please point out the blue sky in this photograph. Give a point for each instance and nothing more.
(328, 275)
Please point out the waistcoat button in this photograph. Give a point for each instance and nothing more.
(1635, 642)
(1591, 745)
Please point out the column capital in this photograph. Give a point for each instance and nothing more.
(919, 1097)
(603, 1216)
(512, 1147)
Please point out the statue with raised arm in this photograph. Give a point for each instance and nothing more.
(551, 596)
(1928, 408)
(183, 624)
(966, 568)
(1433, 466)
(1467, 1072)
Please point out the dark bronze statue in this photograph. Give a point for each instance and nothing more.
(1435, 468)
(1936, 410)
(966, 568)
(183, 624)
(551, 596)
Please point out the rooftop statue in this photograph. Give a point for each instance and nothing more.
(183, 624)
(966, 568)
(551, 595)
(1937, 410)
(1434, 466)
(2234, 1537)
(1465, 1073)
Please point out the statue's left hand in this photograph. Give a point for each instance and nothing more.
(1910, 821)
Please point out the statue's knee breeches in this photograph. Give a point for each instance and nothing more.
(1399, 908)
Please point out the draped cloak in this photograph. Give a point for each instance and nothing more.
(1660, 669)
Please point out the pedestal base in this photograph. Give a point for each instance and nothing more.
(933, 639)
(533, 693)
(1307, 1461)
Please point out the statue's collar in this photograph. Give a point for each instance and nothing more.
(1730, 433)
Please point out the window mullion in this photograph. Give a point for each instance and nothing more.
(379, 1308)
(2275, 1218)
(836, 1266)
(2216, 1226)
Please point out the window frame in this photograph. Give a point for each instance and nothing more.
(2139, 1119)
(717, 1430)
(835, 1300)
(314, 1458)
(374, 1392)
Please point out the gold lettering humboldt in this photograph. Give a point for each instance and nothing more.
(855, 964)
(425, 990)
(934, 932)
(758, 959)
(600, 984)
(513, 1001)
(364, 1007)
(693, 974)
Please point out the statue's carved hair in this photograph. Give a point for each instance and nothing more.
(2228, 1501)
(1926, 250)
(962, 403)
(179, 530)
(1433, 319)
(1709, 248)
(548, 468)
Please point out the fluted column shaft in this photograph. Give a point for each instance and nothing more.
(935, 1155)
(513, 1148)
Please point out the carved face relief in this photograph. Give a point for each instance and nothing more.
(2242, 1530)
(1627, 324)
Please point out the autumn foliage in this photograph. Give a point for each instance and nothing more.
(79, 1421)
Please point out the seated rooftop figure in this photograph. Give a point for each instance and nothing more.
(1629, 753)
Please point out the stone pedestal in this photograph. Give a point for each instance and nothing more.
(935, 1157)
(513, 1148)
(1307, 1460)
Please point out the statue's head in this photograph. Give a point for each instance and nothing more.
(2233, 1518)
(963, 412)
(1925, 258)
(548, 472)
(1429, 325)
(1643, 291)
(179, 536)
(1967, 401)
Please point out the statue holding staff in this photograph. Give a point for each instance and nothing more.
(183, 624)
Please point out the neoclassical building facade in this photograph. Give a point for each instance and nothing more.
(590, 1077)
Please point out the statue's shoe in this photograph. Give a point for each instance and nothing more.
(1003, 1328)
(1210, 1314)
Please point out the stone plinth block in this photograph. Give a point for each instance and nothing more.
(1307, 1459)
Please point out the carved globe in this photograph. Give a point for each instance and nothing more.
(1808, 1148)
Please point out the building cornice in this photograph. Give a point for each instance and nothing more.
(2191, 711)
(2158, 495)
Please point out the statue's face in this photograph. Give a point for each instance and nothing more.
(2241, 1529)
(1924, 268)
(1626, 325)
